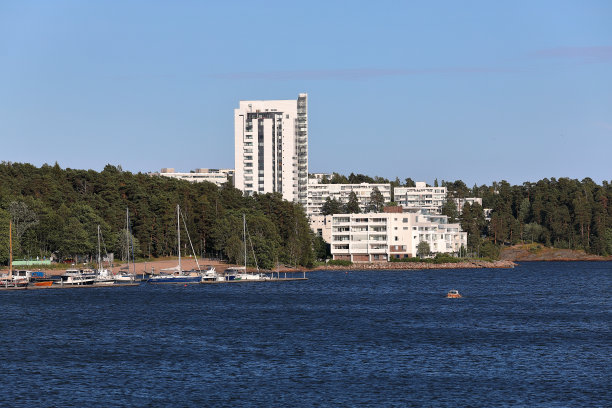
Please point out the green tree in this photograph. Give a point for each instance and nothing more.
(352, 206)
(608, 241)
(377, 201)
(331, 207)
(321, 248)
(409, 182)
(5, 218)
(449, 208)
(423, 249)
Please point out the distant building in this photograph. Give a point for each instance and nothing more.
(421, 197)
(320, 176)
(271, 147)
(460, 202)
(216, 176)
(319, 193)
(381, 236)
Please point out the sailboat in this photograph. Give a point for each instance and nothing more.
(240, 272)
(127, 276)
(103, 276)
(178, 275)
(11, 280)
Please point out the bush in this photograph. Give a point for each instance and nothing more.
(445, 258)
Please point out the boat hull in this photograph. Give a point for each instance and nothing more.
(175, 279)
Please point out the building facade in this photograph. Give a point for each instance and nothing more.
(381, 236)
(216, 176)
(421, 197)
(321, 226)
(271, 147)
(460, 202)
(319, 193)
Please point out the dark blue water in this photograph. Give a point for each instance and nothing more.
(536, 335)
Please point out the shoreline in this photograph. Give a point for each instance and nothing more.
(417, 266)
(190, 263)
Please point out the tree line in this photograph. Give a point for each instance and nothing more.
(56, 212)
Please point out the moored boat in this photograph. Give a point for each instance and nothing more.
(179, 275)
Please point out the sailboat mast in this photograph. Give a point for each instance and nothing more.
(178, 233)
(99, 258)
(127, 236)
(10, 249)
(244, 238)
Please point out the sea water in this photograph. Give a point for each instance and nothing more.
(536, 335)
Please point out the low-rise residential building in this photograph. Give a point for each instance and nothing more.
(421, 197)
(217, 176)
(321, 176)
(375, 237)
(460, 202)
(319, 193)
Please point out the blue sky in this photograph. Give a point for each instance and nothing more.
(471, 90)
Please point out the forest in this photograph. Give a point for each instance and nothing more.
(56, 212)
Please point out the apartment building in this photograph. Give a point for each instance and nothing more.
(320, 176)
(460, 202)
(271, 147)
(319, 193)
(381, 236)
(421, 197)
(217, 176)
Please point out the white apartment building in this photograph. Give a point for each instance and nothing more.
(321, 176)
(421, 197)
(460, 202)
(381, 236)
(217, 176)
(319, 193)
(271, 147)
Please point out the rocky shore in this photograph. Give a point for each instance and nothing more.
(417, 265)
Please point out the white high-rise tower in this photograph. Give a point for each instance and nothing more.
(271, 142)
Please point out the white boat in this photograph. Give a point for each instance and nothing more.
(210, 275)
(124, 274)
(240, 273)
(103, 276)
(179, 275)
(75, 277)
